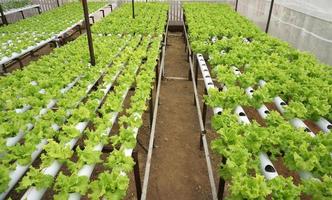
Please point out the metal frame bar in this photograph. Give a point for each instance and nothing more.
(236, 5)
(269, 18)
(22, 14)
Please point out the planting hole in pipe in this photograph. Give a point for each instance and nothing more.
(242, 114)
(203, 64)
(206, 70)
(219, 113)
(207, 76)
(269, 168)
(210, 83)
(251, 91)
(307, 130)
(329, 126)
(282, 103)
(267, 112)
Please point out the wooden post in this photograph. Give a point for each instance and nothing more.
(3, 16)
(88, 32)
(133, 7)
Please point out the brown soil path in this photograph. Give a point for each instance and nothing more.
(178, 168)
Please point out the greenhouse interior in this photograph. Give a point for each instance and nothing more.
(166, 99)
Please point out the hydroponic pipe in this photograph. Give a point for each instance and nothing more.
(11, 141)
(322, 123)
(266, 165)
(87, 170)
(35, 194)
(207, 79)
(20, 170)
(297, 123)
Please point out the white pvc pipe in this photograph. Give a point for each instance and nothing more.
(263, 111)
(24, 109)
(87, 170)
(11, 141)
(236, 71)
(261, 83)
(33, 193)
(324, 125)
(279, 104)
(267, 167)
(250, 91)
(20, 170)
(207, 79)
(242, 117)
(297, 123)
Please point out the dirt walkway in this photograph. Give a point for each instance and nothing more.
(178, 169)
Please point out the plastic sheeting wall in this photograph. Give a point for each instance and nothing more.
(306, 24)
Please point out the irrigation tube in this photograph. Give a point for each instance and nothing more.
(200, 119)
(154, 121)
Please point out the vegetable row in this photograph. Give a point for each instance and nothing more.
(8, 5)
(22, 35)
(242, 58)
(61, 99)
(149, 18)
